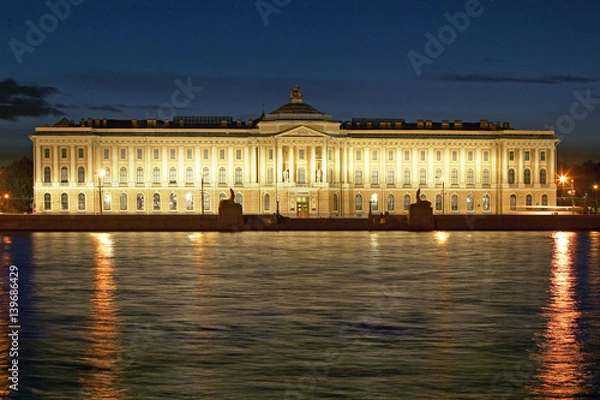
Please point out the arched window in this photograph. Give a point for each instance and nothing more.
(267, 202)
(123, 175)
(485, 202)
(486, 176)
(222, 196)
(374, 176)
(407, 176)
(189, 201)
(527, 176)
(47, 175)
(173, 202)
(422, 176)
(206, 174)
(511, 176)
(454, 176)
(335, 202)
(454, 202)
(391, 176)
(64, 174)
(107, 178)
(189, 175)
(123, 202)
(438, 202)
(270, 175)
(81, 175)
(222, 176)
(358, 177)
(406, 202)
(513, 202)
(107, 201)
(156, 202)
(140, 201)
(239, 198)
(172, 175)
(374, 202)
(529, 200)
(64, 202)
(470, 177)
(543, 176)
(206, 201)
(438, 176)
(139, 178)
(238, 176)
(391, 202)
(544, 199)
(47, 201)
(358, 202)
(470, 202)
(81, 201)
(156, 175)
(301, 175)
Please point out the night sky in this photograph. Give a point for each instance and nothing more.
(531, 63)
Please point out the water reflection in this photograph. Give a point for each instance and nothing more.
(561, 373)
(102, 382)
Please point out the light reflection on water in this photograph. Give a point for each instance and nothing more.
(345, 315)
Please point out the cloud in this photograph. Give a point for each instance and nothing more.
(17, 100)
(543, 80)
(105, 107)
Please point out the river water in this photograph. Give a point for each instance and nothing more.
(302, 315)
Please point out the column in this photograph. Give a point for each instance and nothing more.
(291, 166)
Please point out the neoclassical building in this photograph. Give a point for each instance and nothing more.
(295, 159)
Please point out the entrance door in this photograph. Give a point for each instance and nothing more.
(302, 207)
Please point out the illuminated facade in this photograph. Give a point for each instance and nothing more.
(296, 160)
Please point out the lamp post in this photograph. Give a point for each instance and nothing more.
(443, 194)
(573, 196)
(595, 187)
(6, 196)
(101, 174)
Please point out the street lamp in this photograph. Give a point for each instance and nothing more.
(595, 198)
(443, 194)
(573, 196)
(101, 174)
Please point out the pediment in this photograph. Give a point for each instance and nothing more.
(302, 131)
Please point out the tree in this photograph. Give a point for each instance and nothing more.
(16, 186)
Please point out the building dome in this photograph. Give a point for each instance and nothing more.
(297, 109)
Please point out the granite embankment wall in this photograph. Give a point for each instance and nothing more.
(194, 223)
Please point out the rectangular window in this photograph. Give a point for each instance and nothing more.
(527, 155)
(188, 154)
(139, 153)
(390, 155)
(406, 155)
(301, 154)
(438, 155)
(106, 154)
(486, 156)
(205, 154)
(123, 153)
(270, 154)
(80, 152)
(470, 155)
(238, 154)
(374, 155)
(46, 153)
(63, 153)
(454, 155)
(422, 155)
(542, 155)
(172, 153)
(511, 156)
(222, 154)
(358, 155)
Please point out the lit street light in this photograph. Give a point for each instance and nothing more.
(595, 198)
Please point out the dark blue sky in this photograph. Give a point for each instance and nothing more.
(526, 62)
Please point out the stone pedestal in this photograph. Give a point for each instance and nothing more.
(420, 216)
(230, 217)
